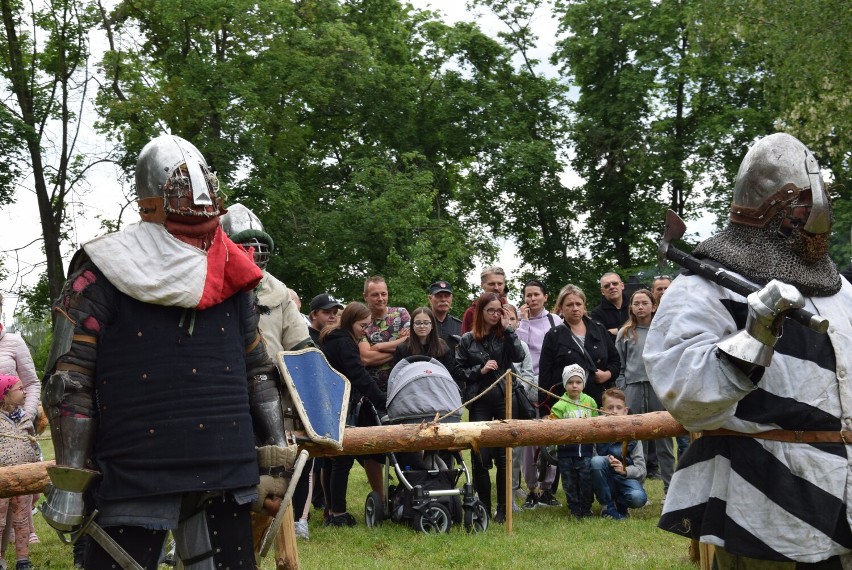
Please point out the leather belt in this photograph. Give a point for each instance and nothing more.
(74, 368)
(789, 436)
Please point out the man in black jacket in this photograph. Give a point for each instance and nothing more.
(611, 312)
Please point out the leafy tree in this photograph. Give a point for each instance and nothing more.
(667, 107)
(44, 63)
(804, 57)
(603, 53)
(349, 127)
(519, 191)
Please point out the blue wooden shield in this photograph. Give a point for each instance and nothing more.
(320, 394)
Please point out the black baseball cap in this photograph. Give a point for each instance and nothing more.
(324, 301)
(439, 286)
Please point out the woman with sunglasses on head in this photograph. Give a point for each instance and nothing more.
(484, 354)
(535, 322)
(340, 346)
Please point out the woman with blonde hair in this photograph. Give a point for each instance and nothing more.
(578, 340)
(641, 398)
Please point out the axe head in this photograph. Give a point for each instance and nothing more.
(675, 228)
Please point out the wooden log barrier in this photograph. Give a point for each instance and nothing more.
(503, 433)
(32, 477)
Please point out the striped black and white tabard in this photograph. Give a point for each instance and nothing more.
(757, 498)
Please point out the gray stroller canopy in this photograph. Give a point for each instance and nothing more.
(418, 389)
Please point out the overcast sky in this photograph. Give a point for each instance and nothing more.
(104, 196)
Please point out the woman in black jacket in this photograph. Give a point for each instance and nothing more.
(578, 340)
(484, 354)
(340, 346)
(424, 340)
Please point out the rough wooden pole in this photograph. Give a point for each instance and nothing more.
(24, 479)
(508, 498)
(502, 433)
(32, 477)
(286, 554)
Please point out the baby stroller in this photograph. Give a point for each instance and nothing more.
(427, 496)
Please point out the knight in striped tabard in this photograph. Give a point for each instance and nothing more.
(767, 484)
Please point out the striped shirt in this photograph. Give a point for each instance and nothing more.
(756, 498)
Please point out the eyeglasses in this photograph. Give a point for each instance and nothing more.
(493, 311)
(669, 277)
(610, 284)
(422, 323)
(364, 326)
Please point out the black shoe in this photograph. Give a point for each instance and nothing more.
(23, 565)
(500, 514)
(340, 520)
(548, 500)
(532, 501)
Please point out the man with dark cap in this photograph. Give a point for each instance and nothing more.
(324, 309)
(441, 301)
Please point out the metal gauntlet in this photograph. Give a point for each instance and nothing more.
(766, 310)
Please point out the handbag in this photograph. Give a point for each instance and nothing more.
(526, 410)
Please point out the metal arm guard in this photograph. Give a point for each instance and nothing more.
(265, 403)
(73, 436)
(755, 344)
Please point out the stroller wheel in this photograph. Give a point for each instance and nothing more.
(436, 518)
(476, 517)
(374, 510)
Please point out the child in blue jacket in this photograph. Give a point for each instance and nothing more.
(618, 483)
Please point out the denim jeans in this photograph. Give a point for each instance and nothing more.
(577, 484)
(612, 488)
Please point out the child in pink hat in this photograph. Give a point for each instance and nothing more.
(17, 446)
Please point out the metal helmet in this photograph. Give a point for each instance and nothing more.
(171, 171)
(771, 178)
(245, 228)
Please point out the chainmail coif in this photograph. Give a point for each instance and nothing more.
(763, 254)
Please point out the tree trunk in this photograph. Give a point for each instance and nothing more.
(32, 478)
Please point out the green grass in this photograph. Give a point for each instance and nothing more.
(541, 538)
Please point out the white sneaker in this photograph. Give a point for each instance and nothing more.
(301, 529)
(516, 508)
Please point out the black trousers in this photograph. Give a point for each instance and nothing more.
(492, 406)
(229, 527)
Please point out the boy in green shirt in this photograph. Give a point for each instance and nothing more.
(575, 460)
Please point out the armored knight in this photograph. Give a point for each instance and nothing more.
(769, 479)
(281, 324)
(160, 382)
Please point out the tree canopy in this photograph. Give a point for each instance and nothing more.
(374, 138)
